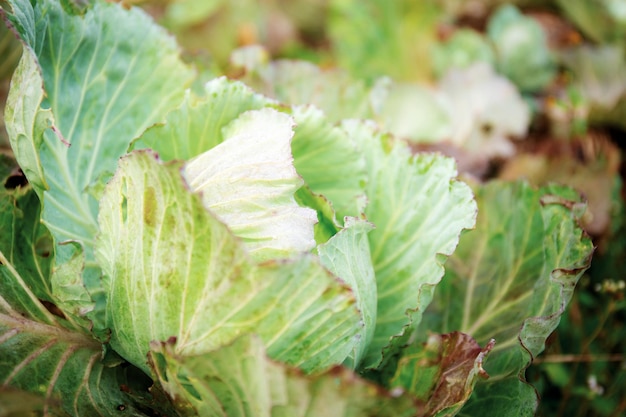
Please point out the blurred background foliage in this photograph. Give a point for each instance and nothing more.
(10, 52)
(527, 88)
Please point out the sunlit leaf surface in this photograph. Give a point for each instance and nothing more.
(330, 161)
(174, 270)
(197, 125)
(419, 210)
(81, 95)
(347, 255)
(249, 182)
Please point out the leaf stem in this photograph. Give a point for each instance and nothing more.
(26, 289)
(56, 332)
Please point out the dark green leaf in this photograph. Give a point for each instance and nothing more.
(43, 352)
(511, 279)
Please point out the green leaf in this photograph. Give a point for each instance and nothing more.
(588, 15)
(23, 290)
(310, 319)
(461, 50)
(347, 255)
(189, 12)
(69, 292)
(249, 182)
(441, 373)
(9, 171)
(74, 108)
(522, 49)
(330, 161)
(512, 277)
(415, 113)
(380, 37)
(29, 247)
(26, 244)
(197, 125)
(239, 380)
(164, 257)
(600, 74)
(213, 28)
(419, 211)
(506, 397)
(94, 73)
(26, 121)
(173, 270)
(43, 353)
(327, 225)
(300, 83)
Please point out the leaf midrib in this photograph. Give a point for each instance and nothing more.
(25, 325)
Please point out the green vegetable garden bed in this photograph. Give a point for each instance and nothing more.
(206, 230)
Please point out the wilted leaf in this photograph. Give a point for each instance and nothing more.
(68, 289)
(441, 373)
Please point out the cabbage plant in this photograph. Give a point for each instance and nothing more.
(219, 253)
